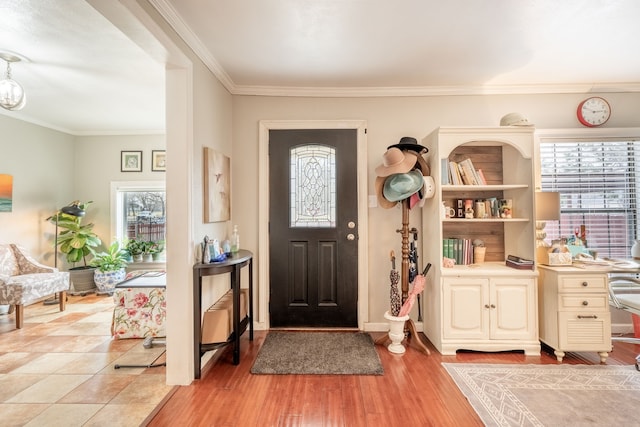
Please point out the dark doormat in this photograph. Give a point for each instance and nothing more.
(321, 353)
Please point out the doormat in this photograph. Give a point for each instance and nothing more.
(550, 395)
(321, 353)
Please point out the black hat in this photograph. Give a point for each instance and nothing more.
(409, 143)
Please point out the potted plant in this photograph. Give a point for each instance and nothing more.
(157, 250)
(110, 267)
(77, 241)
(135, 248)
(147, 250)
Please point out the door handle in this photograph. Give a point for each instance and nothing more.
(351, 236)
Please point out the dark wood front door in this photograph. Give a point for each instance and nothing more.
(313, 228)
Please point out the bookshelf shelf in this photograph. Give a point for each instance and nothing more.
(491, 306)
(465, 188)
(483, 220)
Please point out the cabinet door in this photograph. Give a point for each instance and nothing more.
(513, 308)
(463, 311)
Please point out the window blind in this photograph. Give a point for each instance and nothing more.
(597, 182)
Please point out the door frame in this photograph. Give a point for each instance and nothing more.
(263, 206)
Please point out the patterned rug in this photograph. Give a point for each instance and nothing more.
(550, 395)
(344, 353)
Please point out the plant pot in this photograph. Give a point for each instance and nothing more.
(106, 281)
(396, 332)
(137, 258)
(147, 258)
(81, 279)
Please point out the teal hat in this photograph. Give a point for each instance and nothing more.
(399, 186)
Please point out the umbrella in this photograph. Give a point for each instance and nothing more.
(394, 277)
(413, 266)
(418, 286)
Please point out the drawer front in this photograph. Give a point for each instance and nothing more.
(582, 331)
(588, 302)
(586, 283)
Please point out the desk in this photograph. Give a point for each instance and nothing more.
(233, 265)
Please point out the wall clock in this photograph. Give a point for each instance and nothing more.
(594, 111)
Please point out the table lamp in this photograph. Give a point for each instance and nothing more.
(547, 209)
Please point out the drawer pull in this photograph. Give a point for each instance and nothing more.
(585, 302)
(585, 284)
(593, 316)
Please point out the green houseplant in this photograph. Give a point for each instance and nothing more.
(77, 241)
(110, 267)
(135, 249)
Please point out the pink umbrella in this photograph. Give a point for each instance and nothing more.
(418, 287)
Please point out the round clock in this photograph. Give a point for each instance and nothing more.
(594, 111)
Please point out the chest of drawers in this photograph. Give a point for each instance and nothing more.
(574, 310)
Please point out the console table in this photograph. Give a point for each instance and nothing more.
(233, 265)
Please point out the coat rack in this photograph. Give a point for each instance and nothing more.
(409, 326)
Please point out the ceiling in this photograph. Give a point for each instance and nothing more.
(84, 76)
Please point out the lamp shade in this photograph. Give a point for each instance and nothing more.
(547, 206)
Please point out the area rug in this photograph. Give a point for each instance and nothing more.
(344, 353)
(550, 395)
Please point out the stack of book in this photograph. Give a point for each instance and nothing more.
(462, 173)
(519, 263)
(460, 250)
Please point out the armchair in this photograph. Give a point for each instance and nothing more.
(24, 281)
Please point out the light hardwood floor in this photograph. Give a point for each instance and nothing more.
(415, 390)
(58, 370)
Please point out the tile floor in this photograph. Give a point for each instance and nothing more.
(59, 369)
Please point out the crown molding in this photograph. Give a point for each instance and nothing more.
(167, 11)
(172, 17)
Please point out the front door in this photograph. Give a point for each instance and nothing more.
(313, 228)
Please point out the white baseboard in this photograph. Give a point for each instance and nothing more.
(384, 327)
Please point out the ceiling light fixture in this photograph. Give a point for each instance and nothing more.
(12, 96)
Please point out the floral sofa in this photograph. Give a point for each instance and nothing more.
(24, 281)
(140, 310)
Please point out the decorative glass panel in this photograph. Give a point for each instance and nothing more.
(313, 186)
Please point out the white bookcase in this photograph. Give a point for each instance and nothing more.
(487, 307)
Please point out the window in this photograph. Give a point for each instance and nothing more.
(138, 210)
(597, 182)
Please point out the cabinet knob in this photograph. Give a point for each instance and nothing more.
(585, 302)
(493, 306)
(486, 306)
(585, 284)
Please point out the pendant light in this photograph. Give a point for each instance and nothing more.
(12, 96)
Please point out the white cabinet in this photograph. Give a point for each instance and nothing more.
(487, 307)
(489, 314)
(574, 310)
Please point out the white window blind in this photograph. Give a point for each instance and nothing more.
(597, 182)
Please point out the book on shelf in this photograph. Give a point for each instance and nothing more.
(461, 250)
(483, 180)
(468, 172)
(518, 259)
(520, 263)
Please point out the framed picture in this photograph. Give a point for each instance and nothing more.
(217, 186)
(131, 161)
(158, 160)
(6, 192)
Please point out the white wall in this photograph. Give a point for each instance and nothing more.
(98, 164)
(42, 164)
(388, 120)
